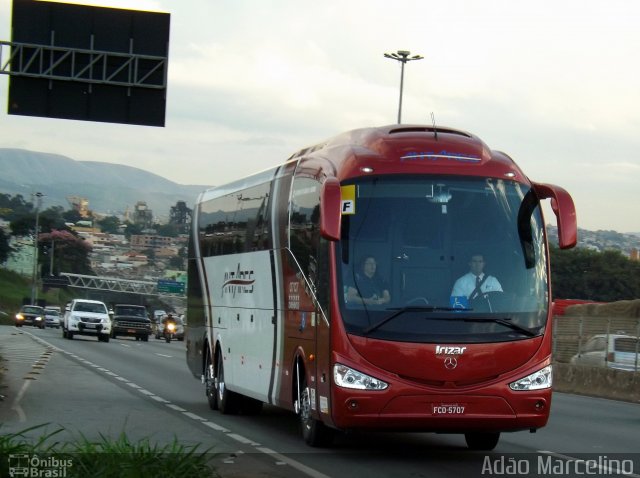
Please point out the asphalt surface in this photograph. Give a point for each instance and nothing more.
(41, 384)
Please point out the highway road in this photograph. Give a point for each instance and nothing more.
(145, 390)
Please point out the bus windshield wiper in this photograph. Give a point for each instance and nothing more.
(402, 310)
(506, 321)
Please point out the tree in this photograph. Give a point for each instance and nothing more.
(71, 253)
(132, 229)
(109, 224)
(168, 230)
(72, 215)
(591, 275)
(5, 249)
(13, 207)
(177, 263)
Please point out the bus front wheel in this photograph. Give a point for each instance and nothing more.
(314, 432)
(482, 441)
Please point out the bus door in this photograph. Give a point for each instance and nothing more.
(421, 256)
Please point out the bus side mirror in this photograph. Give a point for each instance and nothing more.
(330, 215)
(565, 211)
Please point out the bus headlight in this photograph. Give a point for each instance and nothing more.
(539, 380)
(347, 377)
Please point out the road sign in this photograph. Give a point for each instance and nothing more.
(170, 286)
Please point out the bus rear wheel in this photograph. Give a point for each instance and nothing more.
(482, 441)
(228, 401)
(314, 432)
(209, 383)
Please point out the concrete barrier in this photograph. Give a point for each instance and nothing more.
(597, 382)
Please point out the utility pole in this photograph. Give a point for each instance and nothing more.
(402, 56)
(34, 279)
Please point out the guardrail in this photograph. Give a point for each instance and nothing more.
(592, 372)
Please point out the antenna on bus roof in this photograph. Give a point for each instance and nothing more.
(435, 131)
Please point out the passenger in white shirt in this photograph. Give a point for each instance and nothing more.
(467, 284)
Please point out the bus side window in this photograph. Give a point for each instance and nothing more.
(304, 230)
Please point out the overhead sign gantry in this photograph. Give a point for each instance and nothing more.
(87, 63)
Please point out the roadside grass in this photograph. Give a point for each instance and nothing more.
(14, 288)
(104, 457)
(101, 458)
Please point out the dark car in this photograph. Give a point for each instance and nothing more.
(130, 320)
(30, 315)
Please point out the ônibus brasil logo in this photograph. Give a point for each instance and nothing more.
(238, 282)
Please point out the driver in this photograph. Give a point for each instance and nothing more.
(475, 282)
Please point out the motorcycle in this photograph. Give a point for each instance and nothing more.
(169, 331)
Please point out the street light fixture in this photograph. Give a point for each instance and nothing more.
(402, 56)
(34, 283)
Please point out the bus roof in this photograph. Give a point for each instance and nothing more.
(391, 149)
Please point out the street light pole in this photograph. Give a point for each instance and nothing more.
(402, 56)
(34, 283)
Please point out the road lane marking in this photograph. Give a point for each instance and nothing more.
(16, 403)
(193, 416)
(281, 459)
(292, 463)
(242, 439)
(216, 427)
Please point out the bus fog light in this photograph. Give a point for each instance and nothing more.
(347, 377)
(539, 380)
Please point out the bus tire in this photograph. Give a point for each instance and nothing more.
(482, 441)
(209, 382)
(228, 401)
(314, 432)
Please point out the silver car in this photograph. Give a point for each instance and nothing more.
(51, 318)
(617, 351)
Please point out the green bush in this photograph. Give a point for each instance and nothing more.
(106, 457)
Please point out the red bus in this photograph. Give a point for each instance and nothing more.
(274, 260)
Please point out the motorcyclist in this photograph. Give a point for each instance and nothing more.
(168, 319)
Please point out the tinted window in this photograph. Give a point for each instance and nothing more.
(237, 222)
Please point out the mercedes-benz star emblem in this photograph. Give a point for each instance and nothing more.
(450, 363)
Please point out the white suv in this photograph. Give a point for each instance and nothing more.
(617, 351)
(86, 317)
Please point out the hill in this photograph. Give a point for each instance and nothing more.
(110, 188)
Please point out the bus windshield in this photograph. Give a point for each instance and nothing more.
(441, 258)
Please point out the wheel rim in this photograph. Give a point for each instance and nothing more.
(218, 380)
(209, 380)
(305, 409)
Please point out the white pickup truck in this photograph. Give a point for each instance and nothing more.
(86, 317)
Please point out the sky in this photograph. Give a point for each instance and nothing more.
(553, 83)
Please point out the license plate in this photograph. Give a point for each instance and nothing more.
(131, 331)
(448, 409)
(90, 326)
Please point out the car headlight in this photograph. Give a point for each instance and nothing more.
(539, 380)
(38, 318)
(347, 377)
(19, 317)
